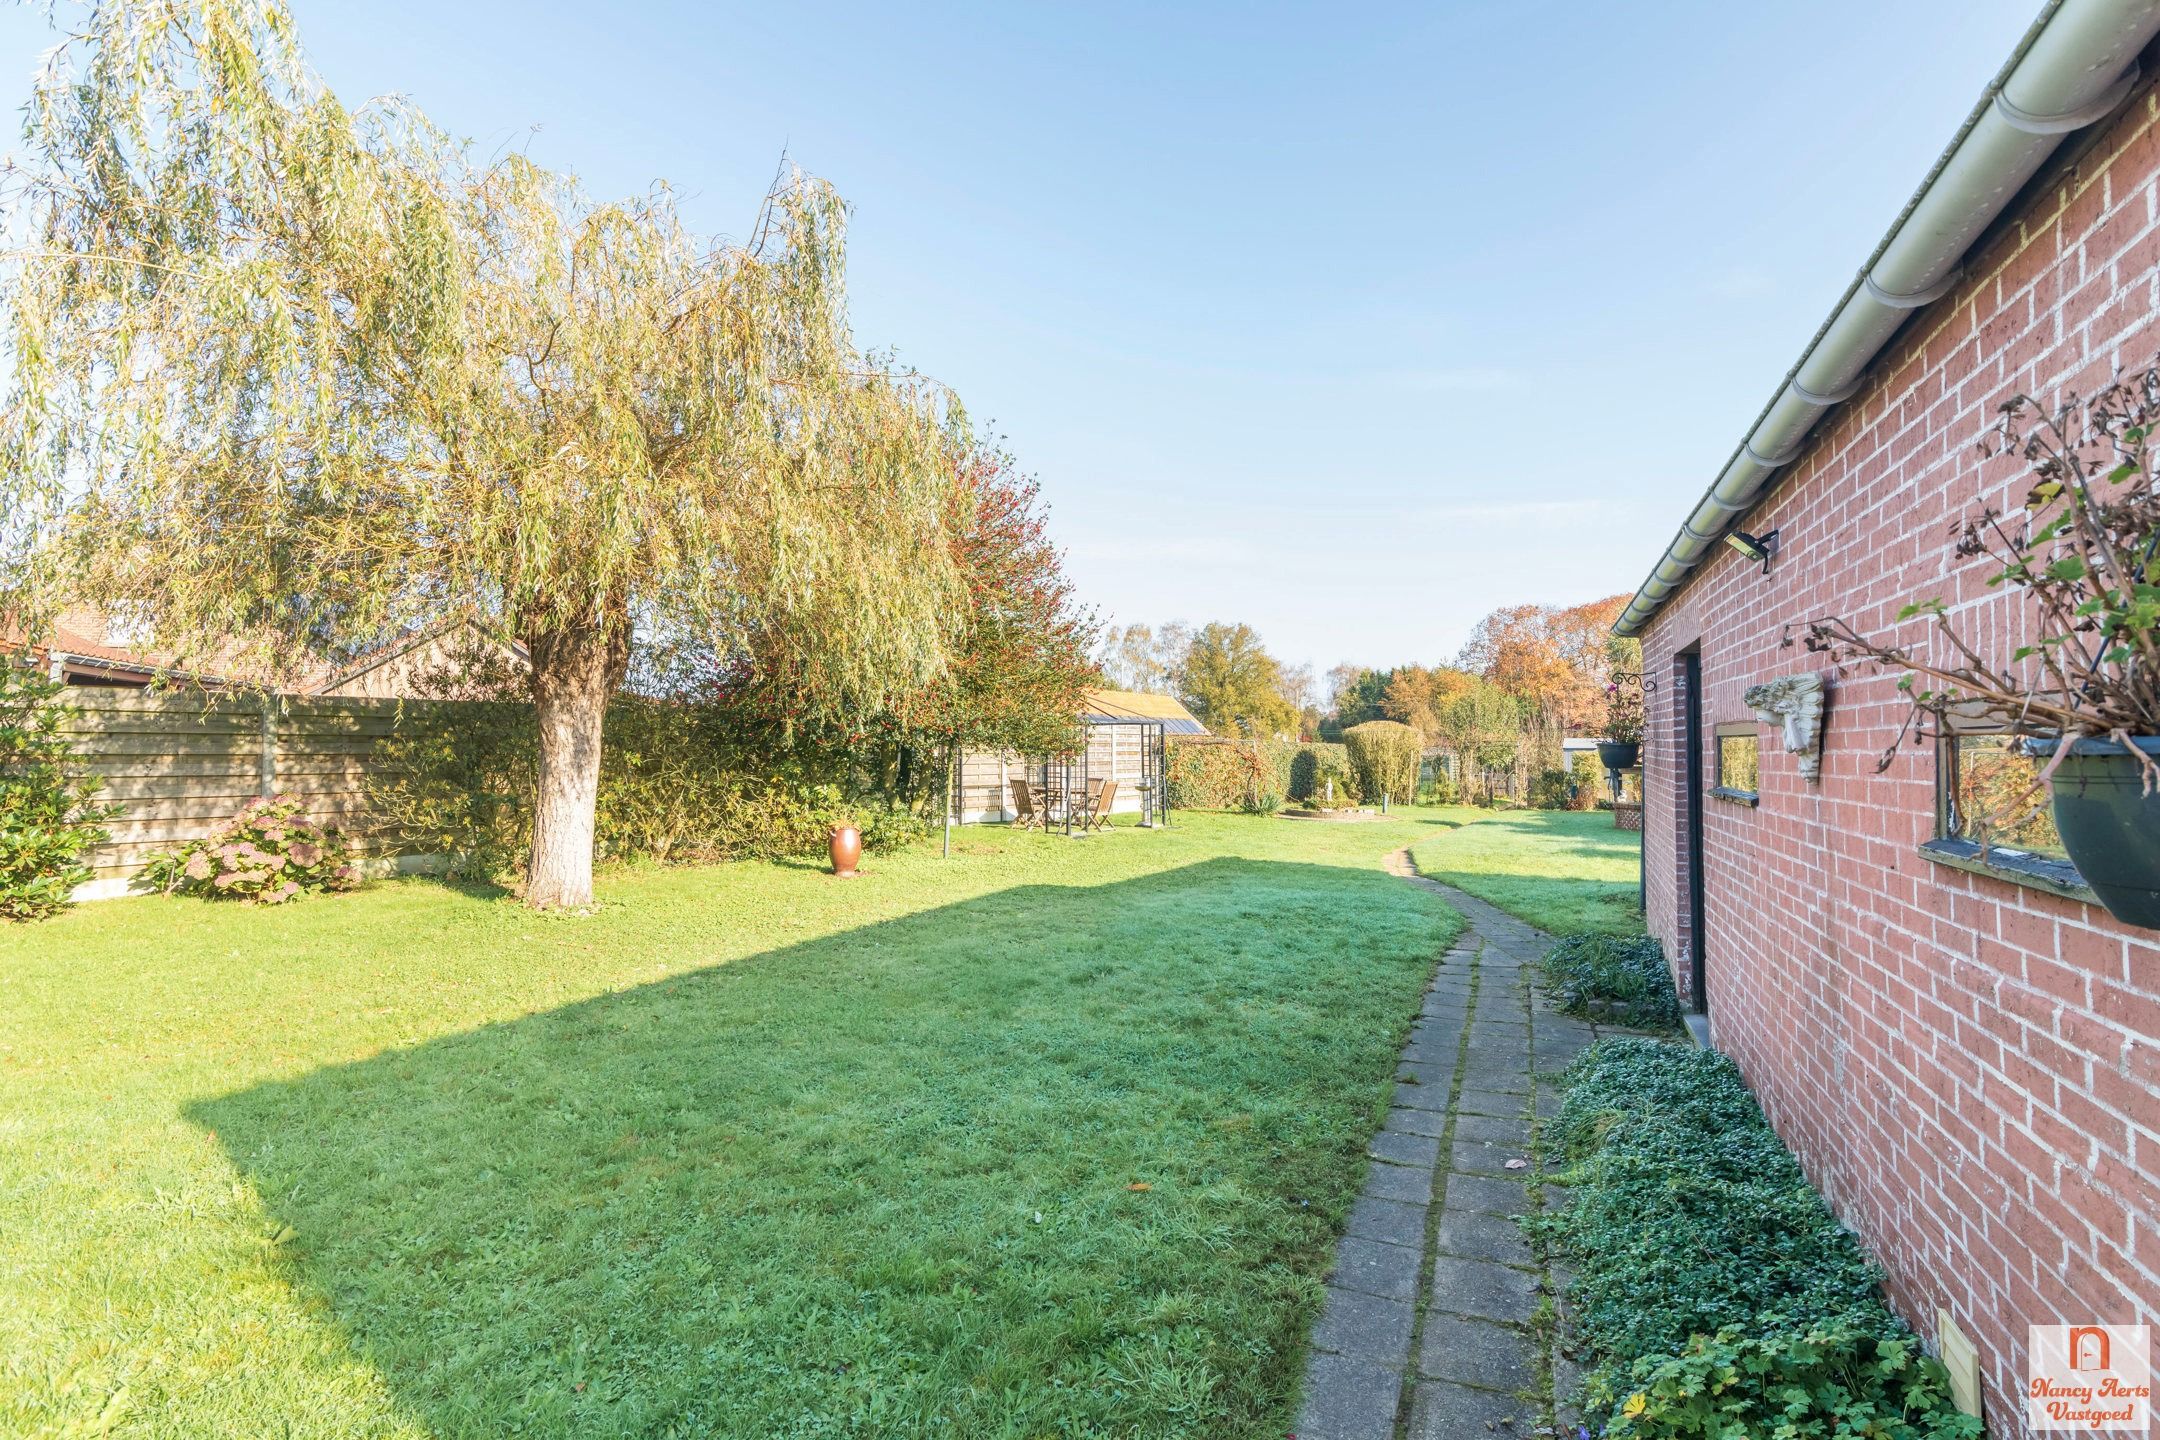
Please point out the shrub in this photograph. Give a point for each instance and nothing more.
(267, 854)
(1589, 781)
(1386, 756)
(48, 818)
(1437, 784)
(458, 778)
(1617, 978)
(1699, 1246)
(1552, 790)
(1216, 774)
(1825, 1384)
(1303, 767)
(882, 828)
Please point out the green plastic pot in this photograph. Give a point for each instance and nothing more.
(2109, 824)
(1619, 754)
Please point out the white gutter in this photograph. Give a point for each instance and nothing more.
(2075, 66)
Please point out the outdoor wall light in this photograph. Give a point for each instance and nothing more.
(1755, 547)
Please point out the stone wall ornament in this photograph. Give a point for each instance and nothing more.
(1793, 703)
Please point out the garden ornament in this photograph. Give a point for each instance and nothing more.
(1793, 703)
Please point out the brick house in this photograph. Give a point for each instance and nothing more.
(1962, 1048)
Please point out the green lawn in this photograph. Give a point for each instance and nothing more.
(1560, 870)
(751, 1152)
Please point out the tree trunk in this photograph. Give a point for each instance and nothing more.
(574, 672)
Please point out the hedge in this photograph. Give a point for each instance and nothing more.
(676, 785)
(1209, 774)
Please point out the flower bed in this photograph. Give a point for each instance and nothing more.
(1715, 1293)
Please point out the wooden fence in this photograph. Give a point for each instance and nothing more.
(179, 764)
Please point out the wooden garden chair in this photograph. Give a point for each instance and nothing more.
(1098, 806)
(1026, 814)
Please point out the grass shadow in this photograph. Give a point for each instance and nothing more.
(470, 888)
(1051, 1161)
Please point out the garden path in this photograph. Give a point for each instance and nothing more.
(1439, 1317)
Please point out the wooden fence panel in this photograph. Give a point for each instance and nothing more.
(179, 765)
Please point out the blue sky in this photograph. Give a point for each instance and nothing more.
(1349, 322)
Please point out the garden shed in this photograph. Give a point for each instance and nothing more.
(1126, 732)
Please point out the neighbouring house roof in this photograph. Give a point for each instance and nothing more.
(90, 647)
(410, 644)
(2075, 67)
(1129, 705)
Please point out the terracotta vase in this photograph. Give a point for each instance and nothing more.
(846, 850)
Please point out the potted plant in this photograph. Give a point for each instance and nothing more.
(1621, 749)
(2084, 689)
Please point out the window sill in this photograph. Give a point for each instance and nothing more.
(1735, 797)
(2057, 877)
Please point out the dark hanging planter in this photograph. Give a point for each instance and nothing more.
(2110, 826)
(1619, 754)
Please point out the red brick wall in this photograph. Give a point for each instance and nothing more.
(1970, 1069)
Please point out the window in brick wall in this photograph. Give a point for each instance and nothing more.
(1989, 799)
(1739, 763)
(1981, 823)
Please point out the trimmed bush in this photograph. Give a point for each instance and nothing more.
(1616, 978)
(1301, 768)
(1703, 1258)
(1386, 756)
(48, 815)
(267, 854)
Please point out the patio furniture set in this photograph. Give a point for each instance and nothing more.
(1039, 804)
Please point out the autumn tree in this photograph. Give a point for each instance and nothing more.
(1339, 682)
(1233, 684)
(1022, 661)
(1549, 657)
(1022, 664)
(288, 379)
(1415, 695)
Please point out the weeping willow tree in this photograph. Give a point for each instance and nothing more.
(290, 378)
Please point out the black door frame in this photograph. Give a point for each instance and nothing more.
(1692, 774)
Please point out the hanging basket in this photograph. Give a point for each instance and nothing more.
(2109, 824)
